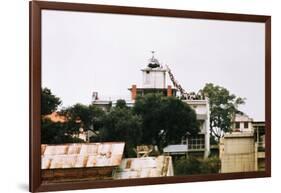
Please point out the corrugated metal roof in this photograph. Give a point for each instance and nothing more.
(145, 167)
(55, 117)
(77, 155)
(176, 148)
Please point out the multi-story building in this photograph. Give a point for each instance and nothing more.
(243, 149)
(200, 144)
(154, 81)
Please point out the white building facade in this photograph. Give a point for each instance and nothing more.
(201, 143)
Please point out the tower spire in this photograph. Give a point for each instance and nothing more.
(153, 62)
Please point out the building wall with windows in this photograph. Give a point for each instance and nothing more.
(242, 123)
(243, 149)
(201, 142)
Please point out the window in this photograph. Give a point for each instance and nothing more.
(246, 125)
(197, 142)
(237, 125)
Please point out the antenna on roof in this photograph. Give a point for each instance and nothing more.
(152, 53)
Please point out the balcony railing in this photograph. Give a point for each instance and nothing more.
(261, 146)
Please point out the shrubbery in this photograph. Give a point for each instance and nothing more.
(192, 165)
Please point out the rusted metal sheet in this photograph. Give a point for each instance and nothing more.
(145, 167)
(77, 174)
(77, 155)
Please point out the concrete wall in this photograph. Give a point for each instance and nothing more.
(154, 78)
(237, 152)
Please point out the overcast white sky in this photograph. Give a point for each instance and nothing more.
(86, 52)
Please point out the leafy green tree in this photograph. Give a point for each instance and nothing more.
(165, 119)
(51, 133)
(56, 133)
(223, 107)
(86, 116)
(121, 103)
(120, 124)
(49, 102)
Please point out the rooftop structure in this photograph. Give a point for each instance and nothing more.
(180, 149)
(153, 80)
(55, 117)
(242, 123)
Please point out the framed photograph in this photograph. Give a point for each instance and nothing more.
(127, 96)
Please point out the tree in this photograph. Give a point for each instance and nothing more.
(49, 102)
(86, 116)
(165, 119)
(121, 103)
(120, 124)
(56, 133)
(51, 132)
(223, 107)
